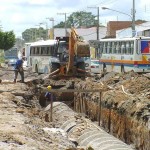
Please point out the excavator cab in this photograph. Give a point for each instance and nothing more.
(72, 63)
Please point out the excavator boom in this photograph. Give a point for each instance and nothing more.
(78, 48)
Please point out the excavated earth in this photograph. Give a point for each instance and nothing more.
(123, 110)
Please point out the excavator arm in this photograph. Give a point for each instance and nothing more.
(77, 47)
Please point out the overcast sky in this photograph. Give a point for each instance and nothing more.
(19, 15)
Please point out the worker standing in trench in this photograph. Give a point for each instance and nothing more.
(49, 97)
(19, 69)
(48, 94)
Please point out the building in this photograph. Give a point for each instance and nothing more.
(141, 30)
(113, 26)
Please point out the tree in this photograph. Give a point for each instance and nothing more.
(7, 40)
(32, 34)
(79, 19)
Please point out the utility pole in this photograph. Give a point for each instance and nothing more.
(52, 19)
(97, 29)
(97, 23)
(42, 23)
(133, 19)
(65, 21)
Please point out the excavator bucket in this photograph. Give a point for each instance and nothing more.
(82, 49)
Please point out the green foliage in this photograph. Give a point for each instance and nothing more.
(79, 19)
(2, 59)
(33, 34)
(7, 40)
(60, 25)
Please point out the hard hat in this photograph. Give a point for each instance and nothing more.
(49, 87)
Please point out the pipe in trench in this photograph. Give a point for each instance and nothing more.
(85, 132)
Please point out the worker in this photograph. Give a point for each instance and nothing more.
(19, 69)
(48, 95)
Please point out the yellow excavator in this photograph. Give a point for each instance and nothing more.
(75, 51)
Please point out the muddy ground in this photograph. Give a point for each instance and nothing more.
(23, 125)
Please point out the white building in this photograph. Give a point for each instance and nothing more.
(140, 30)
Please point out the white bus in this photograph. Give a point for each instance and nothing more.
(123, 55)
(44, 56)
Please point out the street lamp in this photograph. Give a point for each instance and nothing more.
(42, 23)
(132, 17)
(52, 19)
(97, 21)
(65, 21)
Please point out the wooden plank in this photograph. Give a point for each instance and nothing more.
(72, 90)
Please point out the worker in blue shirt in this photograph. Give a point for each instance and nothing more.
(19, 69)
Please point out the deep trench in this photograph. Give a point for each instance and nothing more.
(67, 98)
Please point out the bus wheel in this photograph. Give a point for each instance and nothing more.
(36, 68)
(122, 69)
(104, 69)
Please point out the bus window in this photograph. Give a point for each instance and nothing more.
(127, 47)
(52, 50)
(109, 47)
(105, 48)
(37, 50)
(49, 51)
(45, 51)
(114, 47)
(118, 48)
(42, 50)
(110, 51)
(123, 48)
(101, 47)
(32, 50)
(132, 47)
(138, 45)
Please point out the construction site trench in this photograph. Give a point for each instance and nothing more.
(110, 112)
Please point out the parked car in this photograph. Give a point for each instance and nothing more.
(11, 61)
(95, 66)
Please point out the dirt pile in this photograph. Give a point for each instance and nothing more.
(23, 127)
(124, 107)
